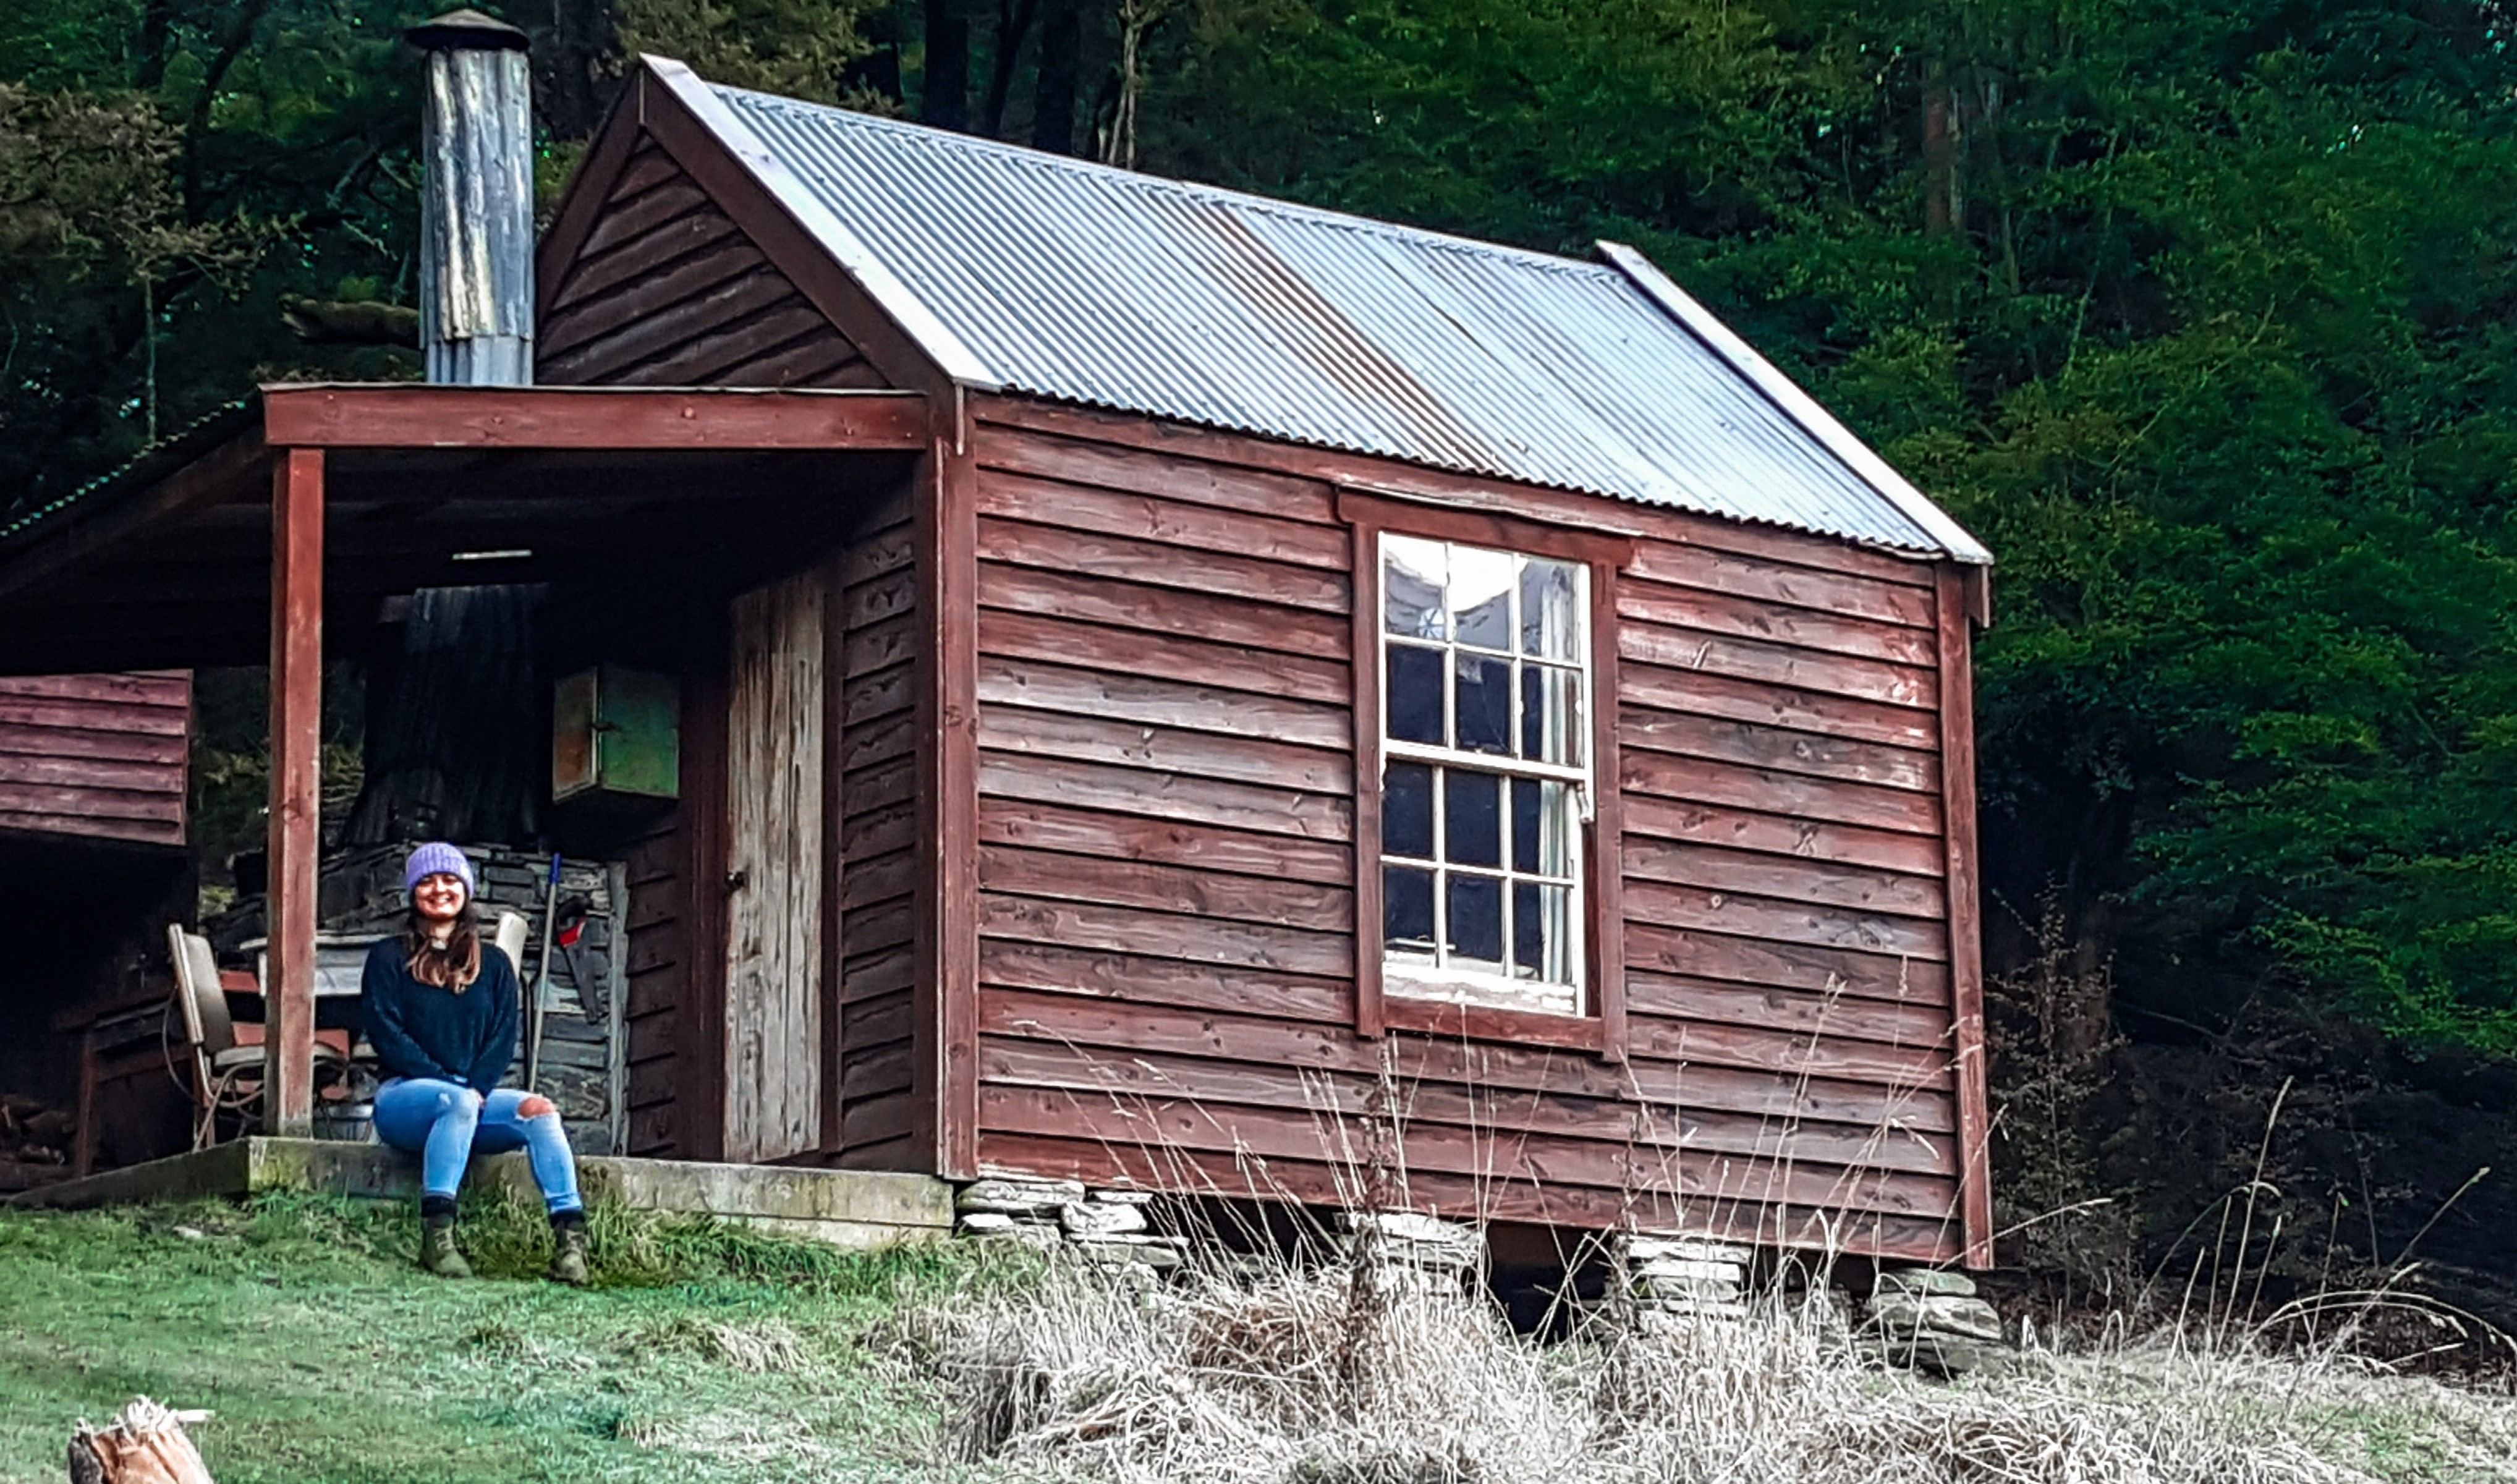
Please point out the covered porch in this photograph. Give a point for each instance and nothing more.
(312, 507)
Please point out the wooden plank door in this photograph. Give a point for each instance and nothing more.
(774, 846)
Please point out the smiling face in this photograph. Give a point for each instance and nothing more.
(438, 898)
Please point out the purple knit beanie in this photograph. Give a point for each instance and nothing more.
(437, 856)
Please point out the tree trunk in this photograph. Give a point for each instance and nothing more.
(946, 103)
(145, 1443)
(581, 64)
(1013, 25)
(1061, 40)
(1939, 155)
(455, 743)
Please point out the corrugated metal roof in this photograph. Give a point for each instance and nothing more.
(1036, 273)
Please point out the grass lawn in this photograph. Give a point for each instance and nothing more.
(701, 1354)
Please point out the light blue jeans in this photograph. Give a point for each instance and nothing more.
(443, 1124)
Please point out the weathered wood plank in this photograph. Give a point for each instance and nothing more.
(1736, 912)
(879, 694)
(1118, 558)
(1818, 882)
(1189, 800)
(704, 357)
(1133, 696)
(1849, 1017)
(1164, 935)
(1824, 800)
(1164, 749)
(650, 209)
(668, 328)
(1800, 585)
(1712, 612)
(1782, 964)
(775, 838)
(1230, 663)
(1704, 693)
(600, 273)
(1205, 894)
(1761, 746)
(872, 647)
(1077, 461)
(1172, 983)
(43, 713)
(1151, 518)
(1778, 664)
(659, 288)
(1755, 1049)
(157, 750)
(1780, 834)
(1126, 837)
(60, 800)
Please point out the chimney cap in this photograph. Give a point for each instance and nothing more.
(466, 30)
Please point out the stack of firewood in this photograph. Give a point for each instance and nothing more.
(35, 1143)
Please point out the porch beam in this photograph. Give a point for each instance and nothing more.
(646, 418)
(297, 727)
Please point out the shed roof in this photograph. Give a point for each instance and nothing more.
(1030, 273)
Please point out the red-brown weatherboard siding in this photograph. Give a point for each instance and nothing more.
(101, 756)
(1166, 869)
(1096, 793)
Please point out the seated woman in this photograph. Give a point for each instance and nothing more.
(439, 1006)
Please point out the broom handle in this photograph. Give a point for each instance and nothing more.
(541, 981)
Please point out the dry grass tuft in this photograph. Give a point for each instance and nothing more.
(1296, 1380)
(755, 1348)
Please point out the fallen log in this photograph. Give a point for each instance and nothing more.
(145, 1443)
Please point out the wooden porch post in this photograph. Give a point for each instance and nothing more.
(296, 716)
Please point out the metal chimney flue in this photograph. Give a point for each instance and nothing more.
(476, 256)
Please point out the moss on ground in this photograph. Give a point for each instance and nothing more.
(702, 1353)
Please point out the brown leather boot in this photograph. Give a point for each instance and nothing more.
(437, 1249)
(568, 1248)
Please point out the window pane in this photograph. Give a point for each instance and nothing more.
(1542, 932)
(1481, 597)
(1411, 586)
(1542, 827)
(1415, 694)
(1471, 817)
(1551, 715)
(1477, 922)
(1484, 703)
(1407, 810)
(1551, 610)
(1407, 911)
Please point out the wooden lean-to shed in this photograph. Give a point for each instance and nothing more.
(1199, 672)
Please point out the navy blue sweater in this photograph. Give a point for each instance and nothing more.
(419, 1030)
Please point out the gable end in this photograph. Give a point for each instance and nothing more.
(667, 289)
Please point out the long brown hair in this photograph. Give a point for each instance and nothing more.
(451, 967)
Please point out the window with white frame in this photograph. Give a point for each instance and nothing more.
(1485, 774)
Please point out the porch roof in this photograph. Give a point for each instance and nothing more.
(167, 563)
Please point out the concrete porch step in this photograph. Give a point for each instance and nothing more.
(846, 1207)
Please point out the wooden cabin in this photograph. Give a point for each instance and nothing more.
(1169, 681)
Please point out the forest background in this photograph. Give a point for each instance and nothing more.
(2198, 312)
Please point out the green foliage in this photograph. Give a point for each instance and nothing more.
(303, 1325)
(2200, 320)
(801, 48)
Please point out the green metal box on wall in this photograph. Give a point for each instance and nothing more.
(616, 731)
